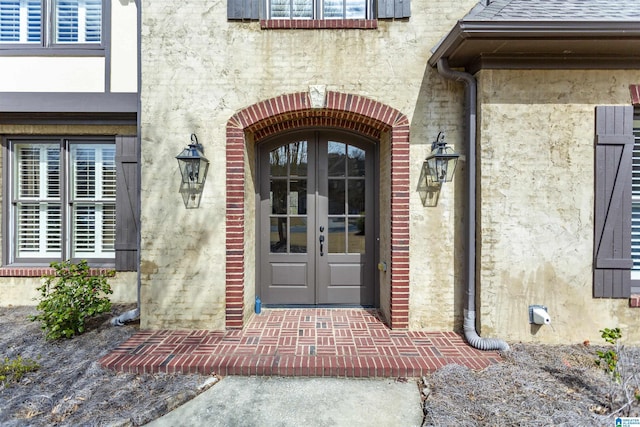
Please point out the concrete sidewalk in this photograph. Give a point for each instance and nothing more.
(312, 402)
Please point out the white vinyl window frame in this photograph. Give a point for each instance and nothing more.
(635, 202)
(63, 201)
(319, 9)
(57, 24)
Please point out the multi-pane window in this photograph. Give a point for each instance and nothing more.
(635, 215)
(64, 200)
(50, 22)
(318, 9)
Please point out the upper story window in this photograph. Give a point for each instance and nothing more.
(319, 9)
(46, 23)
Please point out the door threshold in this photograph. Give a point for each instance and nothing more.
(293, 306)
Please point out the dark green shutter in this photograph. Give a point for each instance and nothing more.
(394, 9)
(243, 9)
(613, 168)
(127, 202)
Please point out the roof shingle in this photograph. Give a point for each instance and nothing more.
(556, 10)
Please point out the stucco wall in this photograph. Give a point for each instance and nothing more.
(536, 153)
(199, 69)
(49, 73)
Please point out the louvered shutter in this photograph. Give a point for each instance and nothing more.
(38, 201)
(243, 9)
(127, 202)
(93, 196)
(78, 21)
(20, 21)
(612, 239)
(394, 9)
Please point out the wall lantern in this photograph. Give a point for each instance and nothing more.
(193, 167)
(441, 163)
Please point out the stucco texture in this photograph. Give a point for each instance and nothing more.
(198, 70)
(535, 205)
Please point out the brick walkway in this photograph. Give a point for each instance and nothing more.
(299, 342)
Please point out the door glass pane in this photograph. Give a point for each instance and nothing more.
(336, 235)
(356, 161)
(336, 158)
(278, 234)
(336, 197)
(278, 196)
(278, 161)
(356, 196)
(356, 235)
(298, 158)
(298, 197)
(298, 235)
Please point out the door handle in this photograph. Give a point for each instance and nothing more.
(321, 238)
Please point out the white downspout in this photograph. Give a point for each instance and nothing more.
(470, 332)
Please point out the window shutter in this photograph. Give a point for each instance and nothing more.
(612, 240)
(243, 9)
(389, 9)
(127, 202)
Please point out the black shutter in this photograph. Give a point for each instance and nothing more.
(613, 168)
(394, 9)
(243, 9)
(127, 202)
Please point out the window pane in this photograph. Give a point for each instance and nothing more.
(93, 230)
(333, 9)
(336, 197)
(298, 234)
(298, 197)
(356, 157)
(93, 171)
(356, 235)
(356, 196)
(302, 9)
(280, 9)
(78, 21)
(20, 21)
(336, 157)
(336, 235)
(356, 9)
(38, 230)
(38, 171)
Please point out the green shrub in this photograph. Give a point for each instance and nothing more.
(69, 297)
(12, 370)
(608, 360)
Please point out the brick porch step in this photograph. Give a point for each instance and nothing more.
(299, 342)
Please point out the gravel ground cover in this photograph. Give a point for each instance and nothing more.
(535, 385)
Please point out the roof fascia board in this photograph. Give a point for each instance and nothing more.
(543, 30)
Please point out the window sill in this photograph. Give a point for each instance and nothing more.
(98, 51)
(318, 24)
(40, 271)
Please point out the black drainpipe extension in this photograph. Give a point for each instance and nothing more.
(470, 332)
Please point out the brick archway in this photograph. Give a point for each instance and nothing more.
(345, 111)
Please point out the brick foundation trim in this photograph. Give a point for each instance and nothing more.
(634, 301)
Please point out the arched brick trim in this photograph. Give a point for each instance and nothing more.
(293, 111)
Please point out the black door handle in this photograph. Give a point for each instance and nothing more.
(321, 238)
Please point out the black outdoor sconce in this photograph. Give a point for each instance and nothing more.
(193, 167)
(441, 163)
(437, 168)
